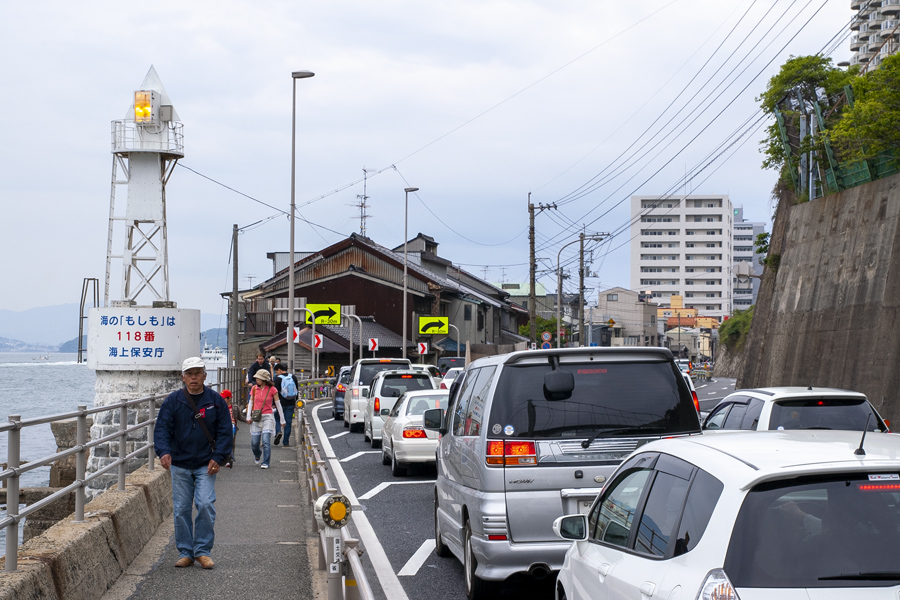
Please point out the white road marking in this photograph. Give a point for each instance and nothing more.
(337, 435)
(289, 543)
(385, 484)
(328, 420)
(358, 454)
(418, 559)
(375, 551)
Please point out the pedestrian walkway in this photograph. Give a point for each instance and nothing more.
(260, 551)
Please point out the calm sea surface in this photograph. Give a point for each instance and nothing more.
(31, 386)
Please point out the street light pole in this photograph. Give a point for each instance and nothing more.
(290, 332)
(581, 238)
(405, 257)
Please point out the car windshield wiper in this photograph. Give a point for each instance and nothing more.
(865, 576)
(605, 432)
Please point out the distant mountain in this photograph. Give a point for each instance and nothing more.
(49, 327)
(214, 337)
(72, 345)
(7, 345)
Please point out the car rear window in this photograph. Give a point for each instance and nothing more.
(345, 377)
(824, 413)
(394, 386)
(823, 532)
(367, 371)
(419, 404)
(620, 398)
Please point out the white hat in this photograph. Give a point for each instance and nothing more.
(194, 362)
(263, 374)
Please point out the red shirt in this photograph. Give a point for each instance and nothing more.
(263, 398)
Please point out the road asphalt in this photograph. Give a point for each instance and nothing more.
(260, 550)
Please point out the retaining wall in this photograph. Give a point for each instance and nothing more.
(828, 316)
(80, 561)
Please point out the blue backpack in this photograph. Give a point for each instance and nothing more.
(288, 387)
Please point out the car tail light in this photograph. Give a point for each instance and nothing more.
(406, 377)
(385, 360)
(443, 386)
(494, 453)
(887, 423)
(414, 432)
(377, 405)
(696, 400)
(717, 587)
(341, 388)
(356, 392)
(880, 487)
(496, 538)
(511, 453)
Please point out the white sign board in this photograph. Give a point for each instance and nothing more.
(318, 341)
(373, 344)
(423, 348)
(142, 338)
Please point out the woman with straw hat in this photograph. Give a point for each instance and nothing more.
(263, 398)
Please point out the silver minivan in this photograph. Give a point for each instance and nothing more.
(530, 436)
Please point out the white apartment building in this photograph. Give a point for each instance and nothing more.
(745, 289)
(682, 245)
(876, 30)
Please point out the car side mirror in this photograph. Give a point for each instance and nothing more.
(433, 419)
(385, 412)
(571, 527)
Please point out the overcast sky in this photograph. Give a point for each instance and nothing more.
(477, 103)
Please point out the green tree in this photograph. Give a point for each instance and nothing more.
(542, 326)
(872, 124)
(803, 76)
(733, 332)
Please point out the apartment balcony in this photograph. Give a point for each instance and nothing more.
(855, 43)
(890, 7)
(855, 4)
(890, 47)
(867, 52)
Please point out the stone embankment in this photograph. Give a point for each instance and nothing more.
(828, 315)
(80, 561)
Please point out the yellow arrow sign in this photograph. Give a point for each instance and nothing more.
(326, 314)
(434, 325)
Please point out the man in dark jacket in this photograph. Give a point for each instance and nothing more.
(288, 404)
(193, 458)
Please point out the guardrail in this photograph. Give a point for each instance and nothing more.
(349, 568)
(10, 476)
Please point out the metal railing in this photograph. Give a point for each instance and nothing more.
(10, 476)
(355, 585)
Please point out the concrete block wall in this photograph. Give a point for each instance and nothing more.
(80, 561)
(828, 316)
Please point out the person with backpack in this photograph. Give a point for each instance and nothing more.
(288, 386)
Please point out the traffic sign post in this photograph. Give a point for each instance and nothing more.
(545, 345)
(373, 345)
(546, 336)
(326, 314)
(434, 326)
(423, 348)
(317, 341)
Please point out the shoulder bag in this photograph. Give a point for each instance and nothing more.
(255, 415)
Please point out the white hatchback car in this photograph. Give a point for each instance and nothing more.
(386, 389)
(778, 515)
(794, 408)
(403, 438)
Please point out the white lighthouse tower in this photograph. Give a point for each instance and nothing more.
(139, 337)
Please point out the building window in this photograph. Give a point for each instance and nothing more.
(612, 297)
(480, 320)
(467, 312)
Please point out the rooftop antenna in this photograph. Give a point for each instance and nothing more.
(859, 451)
(810, 385)
(362, 205)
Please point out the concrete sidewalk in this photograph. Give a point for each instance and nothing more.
(262, 526)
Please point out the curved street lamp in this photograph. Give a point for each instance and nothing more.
(405, 258)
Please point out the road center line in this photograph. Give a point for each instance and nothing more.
(358, 454)
(385, 484)
(392, 587)
(328, 420)
(337, 435)
(418, 559)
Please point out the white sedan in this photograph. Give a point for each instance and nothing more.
(778, 515)
(403, 439)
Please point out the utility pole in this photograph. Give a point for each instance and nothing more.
(233, 309)
(581, 289)
(532, 267)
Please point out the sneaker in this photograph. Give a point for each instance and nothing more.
(277, 439)
(265, 466)
(256, 461)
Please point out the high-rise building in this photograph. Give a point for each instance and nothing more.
(682, 245)
(877, 31)
(745, 280)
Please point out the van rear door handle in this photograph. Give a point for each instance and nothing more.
(604, 569)
(647, 589)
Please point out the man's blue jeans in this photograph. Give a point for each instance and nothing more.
(288, 418)
(193, 487)
(266, 445)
